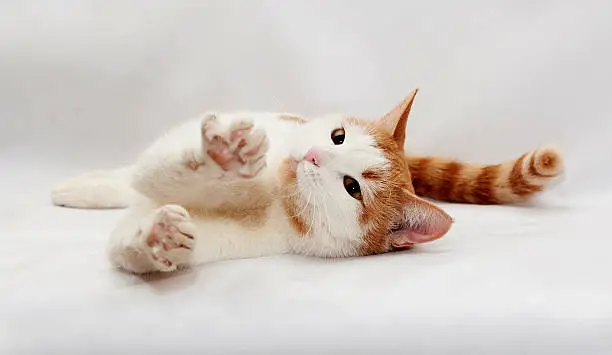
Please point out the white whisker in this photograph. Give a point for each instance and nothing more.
(305, 207)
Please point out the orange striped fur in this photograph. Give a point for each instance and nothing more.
(510, 182)
(392, 215)
(395, 192)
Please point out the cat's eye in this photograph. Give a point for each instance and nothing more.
(337, 136)
(352, 187)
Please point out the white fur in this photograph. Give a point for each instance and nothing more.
(98, 189)
(332, 211)
(231, 217)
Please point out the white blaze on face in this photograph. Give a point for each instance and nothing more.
(330, 213)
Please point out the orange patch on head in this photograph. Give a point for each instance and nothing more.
(387, 202)
(396, 120)
(386, 199)
(373, 174)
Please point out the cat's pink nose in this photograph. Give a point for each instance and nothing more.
(313, 156)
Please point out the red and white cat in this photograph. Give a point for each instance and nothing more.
(249, 184)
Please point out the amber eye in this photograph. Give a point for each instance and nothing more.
(337, 136)
(352, 187)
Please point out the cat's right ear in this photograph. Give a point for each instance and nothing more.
(395, 121)
(421, 222)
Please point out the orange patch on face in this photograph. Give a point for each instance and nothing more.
(288, 189)
(373, 174)
(386, 199)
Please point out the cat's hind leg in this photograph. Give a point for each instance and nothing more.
(152, 238)
(148, 240)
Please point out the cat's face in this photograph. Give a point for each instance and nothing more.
(349, 190)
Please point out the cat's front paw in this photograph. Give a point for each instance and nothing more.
(171, 238)
(237, 148)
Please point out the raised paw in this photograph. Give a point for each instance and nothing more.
(171, 238)
(237, 148)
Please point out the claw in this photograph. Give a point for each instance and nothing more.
(241, 132)
(237, 148)
(167, 241)
(187, 235)
(165, 261)
(255, 150)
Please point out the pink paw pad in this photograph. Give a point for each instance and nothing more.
(171, 238)
(238, 148)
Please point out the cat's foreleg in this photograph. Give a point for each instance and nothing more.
(198, 164)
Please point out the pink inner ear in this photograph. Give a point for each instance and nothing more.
(407, 238)
(424, 223)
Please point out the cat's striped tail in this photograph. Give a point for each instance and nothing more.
(510, 182)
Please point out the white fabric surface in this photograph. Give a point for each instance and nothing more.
(87, 84)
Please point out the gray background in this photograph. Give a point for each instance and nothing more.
(88, 84)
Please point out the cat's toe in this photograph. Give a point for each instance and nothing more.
(255, 146)
(238, 149)
(240, 129)
(171, 239)
(213, 130)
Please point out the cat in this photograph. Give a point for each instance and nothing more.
(249, 184)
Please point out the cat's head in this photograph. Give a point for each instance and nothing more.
(348, 188)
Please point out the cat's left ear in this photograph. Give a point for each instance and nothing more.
(395, 120)
(421, 222)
